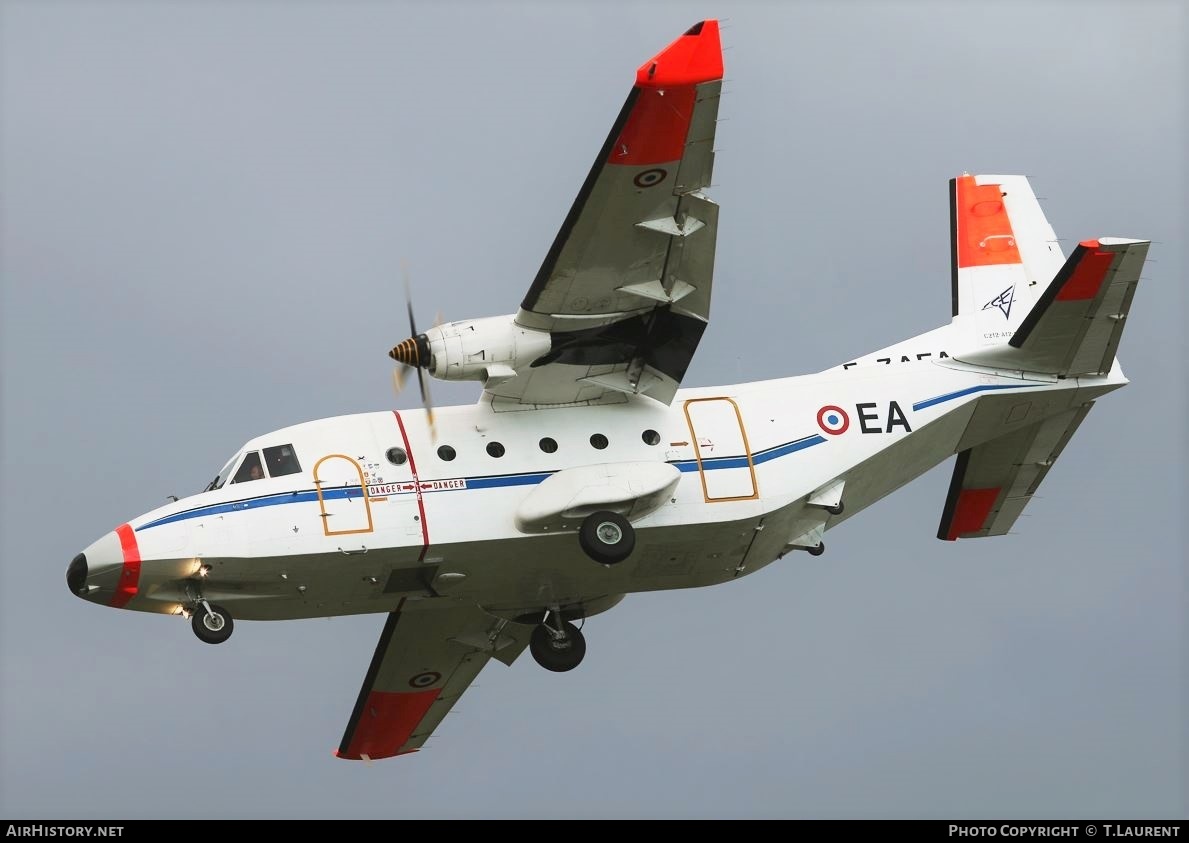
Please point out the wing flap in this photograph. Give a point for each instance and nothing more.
(424, 661)
(993, 482)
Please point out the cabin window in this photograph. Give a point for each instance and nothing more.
(548, 445)
(651, 437)
(281, 460)
(250, 469)
(446, 453)
(495, 449)
(397, 456)
(599, 441)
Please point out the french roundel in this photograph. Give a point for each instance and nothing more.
(833, 420)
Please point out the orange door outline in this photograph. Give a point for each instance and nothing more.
(367, 503)
(755, 489)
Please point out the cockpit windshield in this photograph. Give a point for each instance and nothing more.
(222, 476)
(280, 459)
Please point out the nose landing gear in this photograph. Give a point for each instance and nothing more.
(211, 623)
(557, 644)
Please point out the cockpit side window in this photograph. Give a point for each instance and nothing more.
(222, 476)
(250, 469)
(281, 460)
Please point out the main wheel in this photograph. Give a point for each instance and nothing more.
(818, 549)
(607, 537)
(555, 652)
(214, 628)
(836, 509)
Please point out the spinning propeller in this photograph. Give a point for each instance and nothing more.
(413, 353)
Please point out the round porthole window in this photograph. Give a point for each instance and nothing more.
(548, 445)
(446, 453)
(599, 441)
(651, 437)
(397, 456)
(495, 449)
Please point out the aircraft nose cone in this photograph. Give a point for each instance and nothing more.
(76, 574)
(95, 573)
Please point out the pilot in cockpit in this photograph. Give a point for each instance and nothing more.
(250, 469)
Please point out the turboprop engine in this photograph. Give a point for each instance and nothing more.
(490, 350)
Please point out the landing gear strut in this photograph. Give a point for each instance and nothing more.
(557, 644)
(211, 622)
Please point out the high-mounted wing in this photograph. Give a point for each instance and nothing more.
(624, 292)
(423, 663)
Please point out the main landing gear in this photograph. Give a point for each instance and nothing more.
(557, 644)
(211, 622)
(607, 537)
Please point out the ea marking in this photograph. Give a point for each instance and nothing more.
(835, 421)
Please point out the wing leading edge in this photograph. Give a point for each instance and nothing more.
(624, 291)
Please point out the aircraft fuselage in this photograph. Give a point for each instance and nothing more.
(760, 467)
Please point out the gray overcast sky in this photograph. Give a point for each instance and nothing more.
(205, 207)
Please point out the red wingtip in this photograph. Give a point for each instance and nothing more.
(693, 58)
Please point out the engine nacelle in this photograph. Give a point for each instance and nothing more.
(487, 350)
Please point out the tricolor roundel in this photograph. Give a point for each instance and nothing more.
(833, 420)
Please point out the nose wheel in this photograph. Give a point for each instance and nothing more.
(211, 623)
(557, 644)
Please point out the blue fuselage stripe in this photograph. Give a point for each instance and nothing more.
(950, 396)
(490, 482)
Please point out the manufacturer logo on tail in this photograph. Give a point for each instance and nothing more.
(1003, 301)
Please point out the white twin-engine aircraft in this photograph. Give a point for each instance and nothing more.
(584, 473)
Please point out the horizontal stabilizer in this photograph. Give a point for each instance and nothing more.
(1075, 325)
(993, 482)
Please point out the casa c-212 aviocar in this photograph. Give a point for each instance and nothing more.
(585, 472)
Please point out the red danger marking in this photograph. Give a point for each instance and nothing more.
(420, 503)
(375, 489)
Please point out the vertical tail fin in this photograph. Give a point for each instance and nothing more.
(1003, 254)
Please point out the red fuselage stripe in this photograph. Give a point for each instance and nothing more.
(129, 583)
(417, 485)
